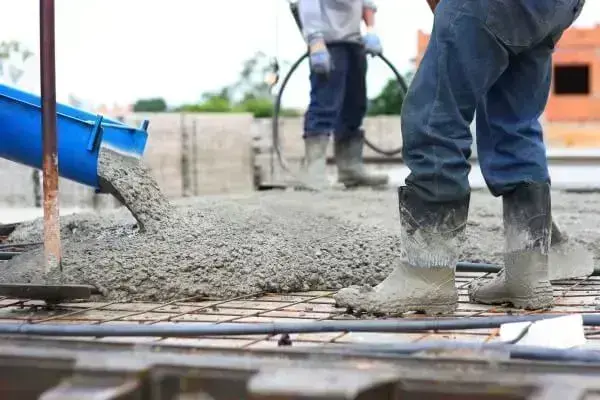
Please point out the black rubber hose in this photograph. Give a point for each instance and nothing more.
(236, 329)
(7, 255)
(277, 111)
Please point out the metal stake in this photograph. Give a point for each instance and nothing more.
(433, 4)
(52, 247)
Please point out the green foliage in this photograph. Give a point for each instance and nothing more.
(7, 48)
(263, 108)
(389, 100)
(150, 105)
(217, 102)
(249, 94)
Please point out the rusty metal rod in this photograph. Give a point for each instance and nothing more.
(52, 247)
(433, 4)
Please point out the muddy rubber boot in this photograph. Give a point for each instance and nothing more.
(524, 281)
(423, 280)
(351, 170)
(313, 174)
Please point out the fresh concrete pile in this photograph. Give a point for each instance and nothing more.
(280, 241)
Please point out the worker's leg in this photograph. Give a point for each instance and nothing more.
(326, 98)
(513, 161)
(349, 137)
(510, 142)
(463, 59)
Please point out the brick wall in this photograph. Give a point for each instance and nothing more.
(570, 120)
(576, 47)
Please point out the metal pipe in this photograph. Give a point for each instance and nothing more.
(432, 4)
(52, 247)
(235, 329)
(515, 351)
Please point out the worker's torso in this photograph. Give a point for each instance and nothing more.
(342, 20)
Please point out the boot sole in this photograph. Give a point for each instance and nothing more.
(429, 309)
(523, 303)
(438, 309)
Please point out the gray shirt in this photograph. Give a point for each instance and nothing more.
(332, 20)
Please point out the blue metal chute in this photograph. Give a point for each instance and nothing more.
(80, 135)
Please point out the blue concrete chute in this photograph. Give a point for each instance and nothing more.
(80, 136)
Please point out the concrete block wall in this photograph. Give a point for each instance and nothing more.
(163, 149)
(383, 132)
(216, 150)
(17, 184)
(196, 154)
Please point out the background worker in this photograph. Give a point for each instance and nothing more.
(338, 95)
(493, 57)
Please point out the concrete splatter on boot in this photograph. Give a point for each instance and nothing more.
(524, 282)
(313, 174)
(568, 259)
(349, 160)
(423, 280)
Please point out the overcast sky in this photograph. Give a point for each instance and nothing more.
(120, 50)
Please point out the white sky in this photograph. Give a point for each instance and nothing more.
(121, 50)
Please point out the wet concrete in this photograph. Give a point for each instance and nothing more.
(280, 241)
(130, 181)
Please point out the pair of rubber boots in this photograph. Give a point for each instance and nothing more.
(431, 234)
(349, 160)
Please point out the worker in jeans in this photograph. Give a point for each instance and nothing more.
(338, 95)
(493, 57)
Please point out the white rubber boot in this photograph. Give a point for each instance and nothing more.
(313, 174)
(524, 281)
(423, 281)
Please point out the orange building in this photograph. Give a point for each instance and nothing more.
(572, 116)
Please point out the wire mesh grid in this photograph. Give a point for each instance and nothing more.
(572, 296)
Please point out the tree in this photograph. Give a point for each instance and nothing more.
(251, 83)
(150, 105)
(13, 56)
(251, 92)
(389, 100)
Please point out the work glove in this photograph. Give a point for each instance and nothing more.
(320, 59)
(372, 44)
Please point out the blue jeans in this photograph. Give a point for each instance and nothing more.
(493, 57)
(338, 104)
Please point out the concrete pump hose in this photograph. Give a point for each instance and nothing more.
(277, 111)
